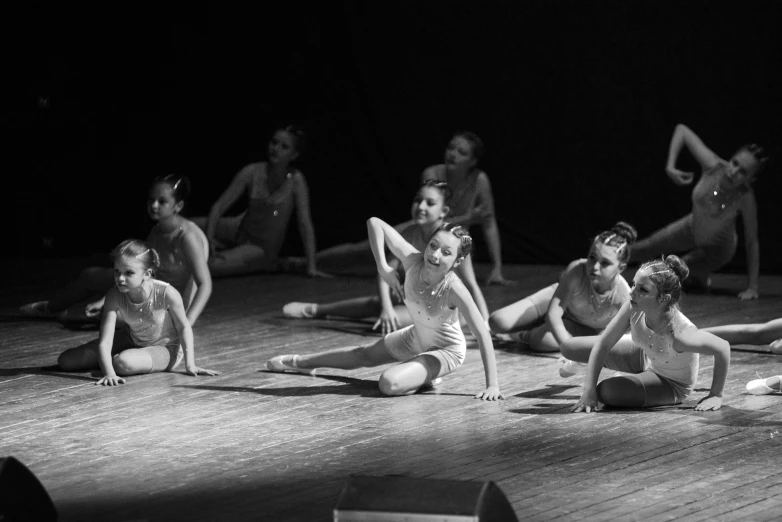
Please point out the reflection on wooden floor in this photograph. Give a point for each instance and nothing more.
(251, 445)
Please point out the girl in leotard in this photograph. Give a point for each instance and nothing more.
(429, 209)
(708, 233)
(251, 241)
(434, 344)
(769, 333)
(473, 201)
(183, 251)
(589, 294)
(661, 353)
(152, 323)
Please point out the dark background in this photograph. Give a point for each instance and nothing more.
(576, 102)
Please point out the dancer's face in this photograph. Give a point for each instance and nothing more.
(282, 148)
(161, 202)
(129, 273)
(644, 295)
(442, 252)
(742, 168)
(428, 206)
(603, 264)
(459, 154)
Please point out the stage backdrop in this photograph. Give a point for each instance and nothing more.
(576, 102)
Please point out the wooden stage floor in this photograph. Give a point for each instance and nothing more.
(252, 445)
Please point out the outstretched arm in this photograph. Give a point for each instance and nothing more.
(466, 273)
(306, 229)
(560, 301)
(749, 216)
(242, 182)
(193, 249)
(106, 341)
(177, 311)
(610, 336)
(698, 341)
(683, 136)
(460, 298)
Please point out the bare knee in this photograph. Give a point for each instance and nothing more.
(68, 362)
(622, 392)
(123, 365)
(392, 387)
(498, 324)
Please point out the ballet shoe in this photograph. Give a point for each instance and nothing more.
(298, 310)
(37, 309)
(275, 364)
(570, 368)
(776, 347)
(759, 386)
(431, 384)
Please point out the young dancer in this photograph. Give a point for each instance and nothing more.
(430, 206)
(473, 201)
(153, 323)
(708, 233)
(434, 345)
(183, 251)
(251, 241)
(589, 294)
(661, 353)
(769, 333)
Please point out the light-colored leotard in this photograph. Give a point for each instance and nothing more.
(679, 369)
(149, 323)
(435, 329)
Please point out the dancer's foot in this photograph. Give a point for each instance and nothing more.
(568, 368)
(776, 347)
(286, 363)
(37, 309)
(298, 310)
(431, 384)
(765, 386)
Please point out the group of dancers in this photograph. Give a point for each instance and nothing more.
(428, 294)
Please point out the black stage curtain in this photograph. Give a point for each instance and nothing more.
(576, 102)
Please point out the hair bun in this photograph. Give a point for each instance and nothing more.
(626, 230)
(678, 266)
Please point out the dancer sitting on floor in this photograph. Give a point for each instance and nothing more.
(429, 208)
(434, 345)
(251, 241)
(152, 323)
(472, 202)
(183, 251)
(769, 333)
(708, 233)
(589, 294)
(661, 353)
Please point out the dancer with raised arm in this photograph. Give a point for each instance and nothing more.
(434, 345)
(707, 235)
(429, 209)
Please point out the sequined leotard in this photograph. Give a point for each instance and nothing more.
(679, 369)
(435, 329)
